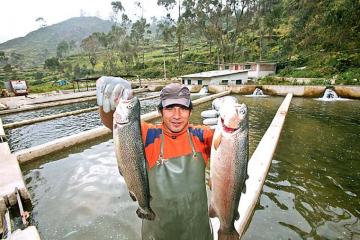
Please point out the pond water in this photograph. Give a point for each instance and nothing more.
(313, 187)
(16, 117)
(311, 192)
(43, 132)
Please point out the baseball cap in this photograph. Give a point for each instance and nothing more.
(175, 93)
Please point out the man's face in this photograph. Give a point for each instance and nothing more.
(175, 117)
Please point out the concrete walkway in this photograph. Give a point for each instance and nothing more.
(31, 99)
(11, 178)
(38, 101)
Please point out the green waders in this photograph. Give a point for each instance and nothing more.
(178, 191)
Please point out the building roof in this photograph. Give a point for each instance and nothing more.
(245, 63)
(214, 73)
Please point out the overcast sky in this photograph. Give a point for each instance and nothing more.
(18, 17)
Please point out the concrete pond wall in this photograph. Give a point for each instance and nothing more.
(297, 91)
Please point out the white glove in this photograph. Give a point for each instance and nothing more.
(109, 90)
(210, 117)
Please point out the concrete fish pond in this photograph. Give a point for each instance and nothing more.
(311, 190)
(26, 135)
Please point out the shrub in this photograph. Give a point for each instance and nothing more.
(350, 77)
(38, 75)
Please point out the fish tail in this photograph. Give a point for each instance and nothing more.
(229, 234)
(146, 213)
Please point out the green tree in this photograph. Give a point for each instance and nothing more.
(72, 45)
(41, 21)
(7, 68)
(180, 28)
(62, 49)
(166, 28)
(38, 75)
(117, 7)
(91, 45)
(44, 54)
(52, 64)
(77, 71)
(3, 58)
(168, 4)
(16, 58)
(139, 28)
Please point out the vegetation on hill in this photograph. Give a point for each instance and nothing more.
(311, 39)
(37, 46)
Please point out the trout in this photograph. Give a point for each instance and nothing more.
(228, 166)
(130, 154)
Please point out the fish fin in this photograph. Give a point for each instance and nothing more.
(146, 214)
(212, 212)
(237, 215)
(244, 189)
(209, 184)
(132, 195)
(230, 234)
(217, 141)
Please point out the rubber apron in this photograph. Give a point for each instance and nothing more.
(178, 191)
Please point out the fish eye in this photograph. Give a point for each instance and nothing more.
(242, 111)
(130, 106)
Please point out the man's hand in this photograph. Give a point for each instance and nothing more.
(210, 117)
(109, 90)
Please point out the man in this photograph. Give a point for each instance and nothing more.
(177, 154)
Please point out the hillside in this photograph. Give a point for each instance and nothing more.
(310, 39)
(44, 40)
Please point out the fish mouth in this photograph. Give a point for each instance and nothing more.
(227, 129)
(122, 122)
(118, 119)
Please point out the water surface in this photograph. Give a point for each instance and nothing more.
(311, 192)
(43, 132)
(313, 187)
(84, 185)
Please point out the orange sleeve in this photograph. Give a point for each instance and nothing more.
(208, 137)
(152, 147)
(202, 136)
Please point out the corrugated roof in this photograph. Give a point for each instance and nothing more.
(214, 73)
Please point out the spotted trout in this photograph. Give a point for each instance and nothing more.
(130, 154)
(228, 166)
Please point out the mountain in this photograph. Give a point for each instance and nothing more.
(44, 41)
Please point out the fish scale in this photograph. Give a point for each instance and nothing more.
(130, 154)
(228, 167)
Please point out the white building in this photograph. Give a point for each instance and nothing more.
(217, 77)
(256, 69)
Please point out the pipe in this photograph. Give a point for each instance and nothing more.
(24, 214)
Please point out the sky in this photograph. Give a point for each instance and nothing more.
(18, 17)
